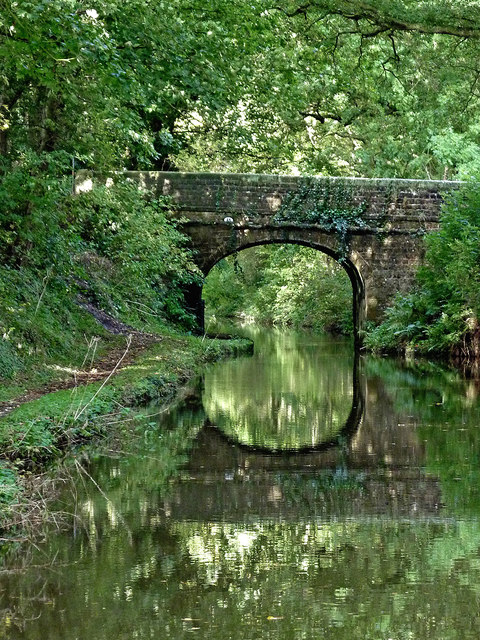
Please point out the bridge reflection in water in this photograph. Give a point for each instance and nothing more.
(319, 418)
(298, 392)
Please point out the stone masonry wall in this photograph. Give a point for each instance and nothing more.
(406, 203)
(380, 250)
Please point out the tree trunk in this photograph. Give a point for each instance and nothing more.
(3, 142)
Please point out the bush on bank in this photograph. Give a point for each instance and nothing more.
(116, 247)
(442, 314)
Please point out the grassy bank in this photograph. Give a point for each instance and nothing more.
(39, 432)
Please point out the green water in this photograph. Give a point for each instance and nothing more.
(295, 392)
(312, 495)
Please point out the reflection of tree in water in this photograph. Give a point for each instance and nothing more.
(446, 409)
(288, 398)
(256, 579)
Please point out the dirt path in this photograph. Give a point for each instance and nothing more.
(135, 343)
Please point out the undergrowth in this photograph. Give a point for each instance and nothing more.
(441, 315)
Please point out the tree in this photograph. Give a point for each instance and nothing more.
(384, 89)
(305, 86)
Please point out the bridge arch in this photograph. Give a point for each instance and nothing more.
(384, 221)
(351, 269)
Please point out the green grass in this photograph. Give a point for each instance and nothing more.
(40, 373)
(40, 431)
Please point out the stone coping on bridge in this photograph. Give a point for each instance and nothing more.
(288, 180)
(261, 196)
(84, 179)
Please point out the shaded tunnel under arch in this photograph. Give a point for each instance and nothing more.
(196, 303)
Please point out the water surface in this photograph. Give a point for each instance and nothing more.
(295, 392)
(311, 495)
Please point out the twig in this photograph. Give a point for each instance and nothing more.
(129, 342)
(45, 283)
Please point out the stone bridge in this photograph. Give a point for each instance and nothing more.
(373, 227)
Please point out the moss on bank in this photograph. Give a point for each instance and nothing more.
(41, 431)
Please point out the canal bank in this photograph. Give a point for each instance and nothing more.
(39, 433)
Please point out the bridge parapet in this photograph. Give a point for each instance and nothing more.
(257, 198)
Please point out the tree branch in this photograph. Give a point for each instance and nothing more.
(453, 24)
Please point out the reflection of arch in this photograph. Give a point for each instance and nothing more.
(345, 434)
(328, 246)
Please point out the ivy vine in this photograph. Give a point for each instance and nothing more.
(328, 205)
(232, 240)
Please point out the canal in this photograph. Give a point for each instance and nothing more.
(317, 494)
